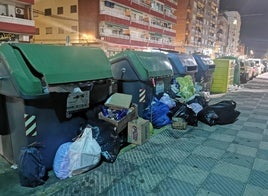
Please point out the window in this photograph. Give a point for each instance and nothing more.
(48, 30)
(48, 12)
(60, 10)
(74, 28)
(60, 30)
(73, 8)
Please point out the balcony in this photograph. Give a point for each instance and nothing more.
(19, 25)
(115, 13)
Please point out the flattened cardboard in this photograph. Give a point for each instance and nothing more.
(119, 101)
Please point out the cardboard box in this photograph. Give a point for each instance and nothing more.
(118, 101)
(178, 123)
(122, 124)
(138, 131)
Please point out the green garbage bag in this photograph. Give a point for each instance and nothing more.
(187, 89)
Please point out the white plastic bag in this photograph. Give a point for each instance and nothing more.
(61, 161)
(84, 153)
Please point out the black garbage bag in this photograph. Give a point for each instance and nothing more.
(183, 111)
(226, 111)
(208, 116)
(220, 113)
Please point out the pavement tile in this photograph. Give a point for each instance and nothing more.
(265, 131)
(257, 120)
(189, 174)
(233, 171)
(199, 132)
(144, 179)
(228, 131)
(184, 145)
(201, 162)
(162, 138)
(238, 159)
(265, 138)
(222, 137)
(173, 187)
(258, 178)
(263, 145)
(151, 147)
(174, 154)
(246, 142)
(208, 152)
(255, 124)
(255, 190)
(259, 117)
(118, 168)
(159, 165)
(261, 165)
(252, 129)
(127, 189)
(134, 156)
(249, 135)
(241, 149)
(216, 144)
(262, 154)
(192, 138)
(203, 192)
(223, 185)
(89, 183)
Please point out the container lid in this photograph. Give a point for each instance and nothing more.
(146, 64)
(28, 63)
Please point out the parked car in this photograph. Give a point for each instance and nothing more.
(252, 64)
(265, 63)
(246, 71)
(258, 63)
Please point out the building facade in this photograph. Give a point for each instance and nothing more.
(221, 36)
(56, 22)
(234, 22)
(197, 26)
(115, 23)
(16, 20)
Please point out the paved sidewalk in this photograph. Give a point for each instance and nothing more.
(218, 160)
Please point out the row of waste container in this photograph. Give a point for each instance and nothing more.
(47, 90)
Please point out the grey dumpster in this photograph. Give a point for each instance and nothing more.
(45, 91)
(142, 74)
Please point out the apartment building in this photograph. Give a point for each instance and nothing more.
(114, 23)
(234, 22)
(197, 26)
(56, 22)
(222, 35)
(16, 20)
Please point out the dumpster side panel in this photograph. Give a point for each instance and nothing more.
(15, 110)
(142, 93)
(4, 129)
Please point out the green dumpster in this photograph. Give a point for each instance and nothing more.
(45, 91)
(142, 74)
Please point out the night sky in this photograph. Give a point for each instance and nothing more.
(254, 18)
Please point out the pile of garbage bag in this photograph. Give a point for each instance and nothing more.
(188, 102)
